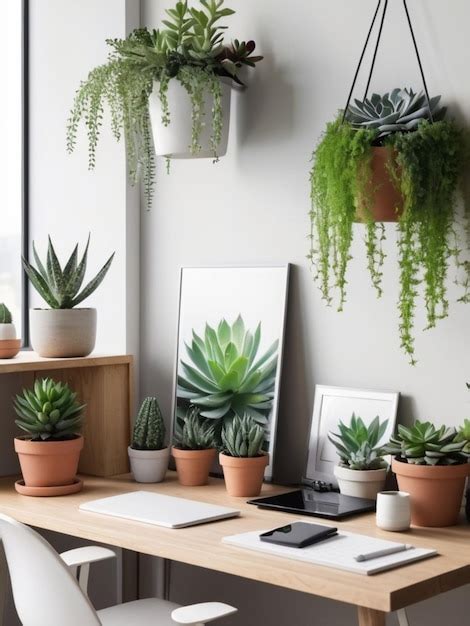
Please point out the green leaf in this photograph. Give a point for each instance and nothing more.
(40, 284)
(93, 284)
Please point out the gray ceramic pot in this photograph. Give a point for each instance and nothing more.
(62, 332)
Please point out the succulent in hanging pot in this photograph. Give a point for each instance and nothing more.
(148, 454)
(430, 464)
(242, 457)
(395, 158)
(9, 344)
(362, 470)
(63, 330)
(168, 90)
(51, 416)
(194, 450)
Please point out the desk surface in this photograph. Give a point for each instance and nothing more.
(201, 545)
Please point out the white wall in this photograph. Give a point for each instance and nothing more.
(253, 206)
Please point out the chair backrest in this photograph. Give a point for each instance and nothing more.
(44, 590)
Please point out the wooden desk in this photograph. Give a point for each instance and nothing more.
(201, 545)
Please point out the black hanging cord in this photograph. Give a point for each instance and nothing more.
(419, 60)
(360, 60)
(379, 35)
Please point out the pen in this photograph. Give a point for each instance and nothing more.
(385, 552)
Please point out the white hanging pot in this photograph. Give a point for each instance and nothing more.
(63, 332)
(174, 140)
(360, 483)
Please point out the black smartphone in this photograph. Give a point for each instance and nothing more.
(298, 534)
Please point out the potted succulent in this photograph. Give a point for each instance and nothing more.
(63, 330)
(52, 417)
(168, 89)
(362, 470)
(391, 157)
(242, 458)
(194, 450)
(9, 344)
(430, 464)
(147, 454)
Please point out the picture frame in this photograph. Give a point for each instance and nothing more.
(250, 303)
(334, 404)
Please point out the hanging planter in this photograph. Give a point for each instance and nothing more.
(390, 158)
(168, 90)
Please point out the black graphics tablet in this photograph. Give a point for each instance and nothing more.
(330, 505)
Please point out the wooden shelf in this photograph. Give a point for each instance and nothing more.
(105, 383)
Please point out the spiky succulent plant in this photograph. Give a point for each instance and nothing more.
(358, 445)
(243, 437)
(424, 444)
(401, 110)
(60, 288)
(225, 376)
(5, 315)
(195, 433)
(463, 435)
(49, 410)
(149, 427)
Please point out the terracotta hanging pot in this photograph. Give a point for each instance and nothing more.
(386, 201)
(435, 491)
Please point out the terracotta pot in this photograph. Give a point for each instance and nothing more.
(193, 466)
(387, 201)
(436, 491)
(360, 483)
(48, 463)
(63, 333)
(9, 348)
(243, 476)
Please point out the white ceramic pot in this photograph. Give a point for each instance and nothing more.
(62, 332)
(174, 140)
(7, 331)
(360, 483)
(149, 466)
(393, 510)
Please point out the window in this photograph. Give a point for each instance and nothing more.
(12, 170)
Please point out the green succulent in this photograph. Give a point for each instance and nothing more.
(463, 435)
(243, 437)
(60, 288)
(424, 444)
(401, 110)
(149, 427)
(5, 315)
(195, 433)
(49, 410)
(225, 376)
(358, 445)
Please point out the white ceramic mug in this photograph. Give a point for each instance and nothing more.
(393, 510)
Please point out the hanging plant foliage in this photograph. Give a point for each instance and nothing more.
(425, 162)
(190, 49)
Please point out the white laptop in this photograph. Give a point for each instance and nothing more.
(159, 510)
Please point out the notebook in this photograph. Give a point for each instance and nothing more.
(158, 509)
(337, 552)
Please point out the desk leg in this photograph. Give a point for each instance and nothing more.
(370, 617)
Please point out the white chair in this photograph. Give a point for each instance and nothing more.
(46, 591)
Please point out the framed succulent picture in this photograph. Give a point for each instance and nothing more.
(229, 350)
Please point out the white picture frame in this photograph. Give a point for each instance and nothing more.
(334, 404)
(210, 294)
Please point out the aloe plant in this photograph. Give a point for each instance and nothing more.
(60, 287)
(243, 437)
(195, 433)
(149, 427)
(49, 410)
(358, 445)
(424, 444)
(225, 375)
(5, 315)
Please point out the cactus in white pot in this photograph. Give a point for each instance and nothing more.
(9, 343)
(148, 454)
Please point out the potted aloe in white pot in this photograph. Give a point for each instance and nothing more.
(168, 90)
(63, 330)
(148, 454)
(362, 470)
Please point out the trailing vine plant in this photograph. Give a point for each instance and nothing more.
(426, 163)
(189, 48)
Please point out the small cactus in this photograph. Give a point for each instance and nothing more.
(5, 315)
(243, 437)
(149, 427)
